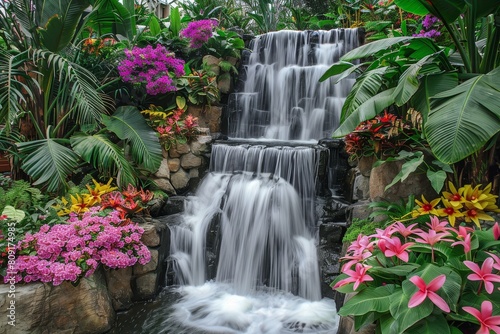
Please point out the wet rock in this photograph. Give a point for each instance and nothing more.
(361, 187)
(174, 164)
(119, 287)
(179, 179)
(164, 170)
(140, 269)
(145, 286)
(190, 160)
(175, 204)
(165, 185)
(150, 236)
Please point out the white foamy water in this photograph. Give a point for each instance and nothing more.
(216, 308)
(282, 97)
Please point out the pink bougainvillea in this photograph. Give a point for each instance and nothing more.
(151, 68)
(199, 32)
(67, 252)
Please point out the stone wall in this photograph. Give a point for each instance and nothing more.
(89, 307)
(183, 165)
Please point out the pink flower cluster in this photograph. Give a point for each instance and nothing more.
(67, 252)
(199, 32)
(152, 68)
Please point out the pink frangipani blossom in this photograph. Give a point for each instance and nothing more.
(483, 274)
(428, 290)
(405, 231)
(394, 248)
(357, 277)
(486, 320)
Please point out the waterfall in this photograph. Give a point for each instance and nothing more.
(282, 97)
(244, 252)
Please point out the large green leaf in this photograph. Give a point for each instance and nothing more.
(431, 85)
(407, 168)
(13, 213)
(406, 317)
(104, 155)
(175, 21)
(336, 69)
(368, 300)
(371, 48)
(48, 162)
(128, 124)
(365, 111)
(451, 289)
(446, 10)
(435, 323)
(64, 17)
(409, 82)
(464, 118)
(365, 87)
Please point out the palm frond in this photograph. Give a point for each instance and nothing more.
(48, 162)
(128, 124)
(104, 155)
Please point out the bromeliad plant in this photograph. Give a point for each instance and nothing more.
(173, 126)
(424, 280)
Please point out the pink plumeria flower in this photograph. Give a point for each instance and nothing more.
(355, 258)
(405, 231)
(361, 244)
(496, 231)
(483, 274)
(357, 277)
(394, 248)
(438, 226)
(428, 290)
(382, 235)
(495, 258)
(432, 237)
(486, 320)
(465, 242)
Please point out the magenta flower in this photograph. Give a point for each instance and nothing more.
(428, 290)
(199, 32)
(438, 226)
(432, 237)
(496, 231)
(394, 248)
(486, 320)
(465, 242)
(361, 244)
(357, 277)
(405, 231)
(495, 258)
(483, 274)
(355, 258)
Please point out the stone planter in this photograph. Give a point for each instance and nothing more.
(416, 184)
(43, 308)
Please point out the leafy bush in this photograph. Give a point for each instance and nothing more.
(361, 226)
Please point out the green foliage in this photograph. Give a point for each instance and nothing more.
(388, 211)
(361, 226)
(18, 194)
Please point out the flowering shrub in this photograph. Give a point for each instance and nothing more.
(199, 32)
(126, 202)
(172, 126)
(410, 280)
(386, 134)
(468, 204)
(152, 68)
(428, 23)
(67, 252)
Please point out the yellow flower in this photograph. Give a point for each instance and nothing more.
(80, 204)
(426, 207)
(477, 197)
(450, 211)
(454, 196)
(473, 214)
(99, 190)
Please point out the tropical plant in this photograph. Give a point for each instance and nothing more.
(412, 280)
(46, 98)
(68, 252)
(454, 88)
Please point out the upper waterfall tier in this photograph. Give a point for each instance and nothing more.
(282, 97)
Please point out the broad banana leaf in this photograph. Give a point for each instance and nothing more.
(445, 10)
(371, 48)
(369, 109)
(465, 118)
(366, 86)
(59, 21)
(128, 124)
(49, 162)
(431, 85)
(104, 155)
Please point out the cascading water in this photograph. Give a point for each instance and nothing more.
(282, 97)
(244, 252)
